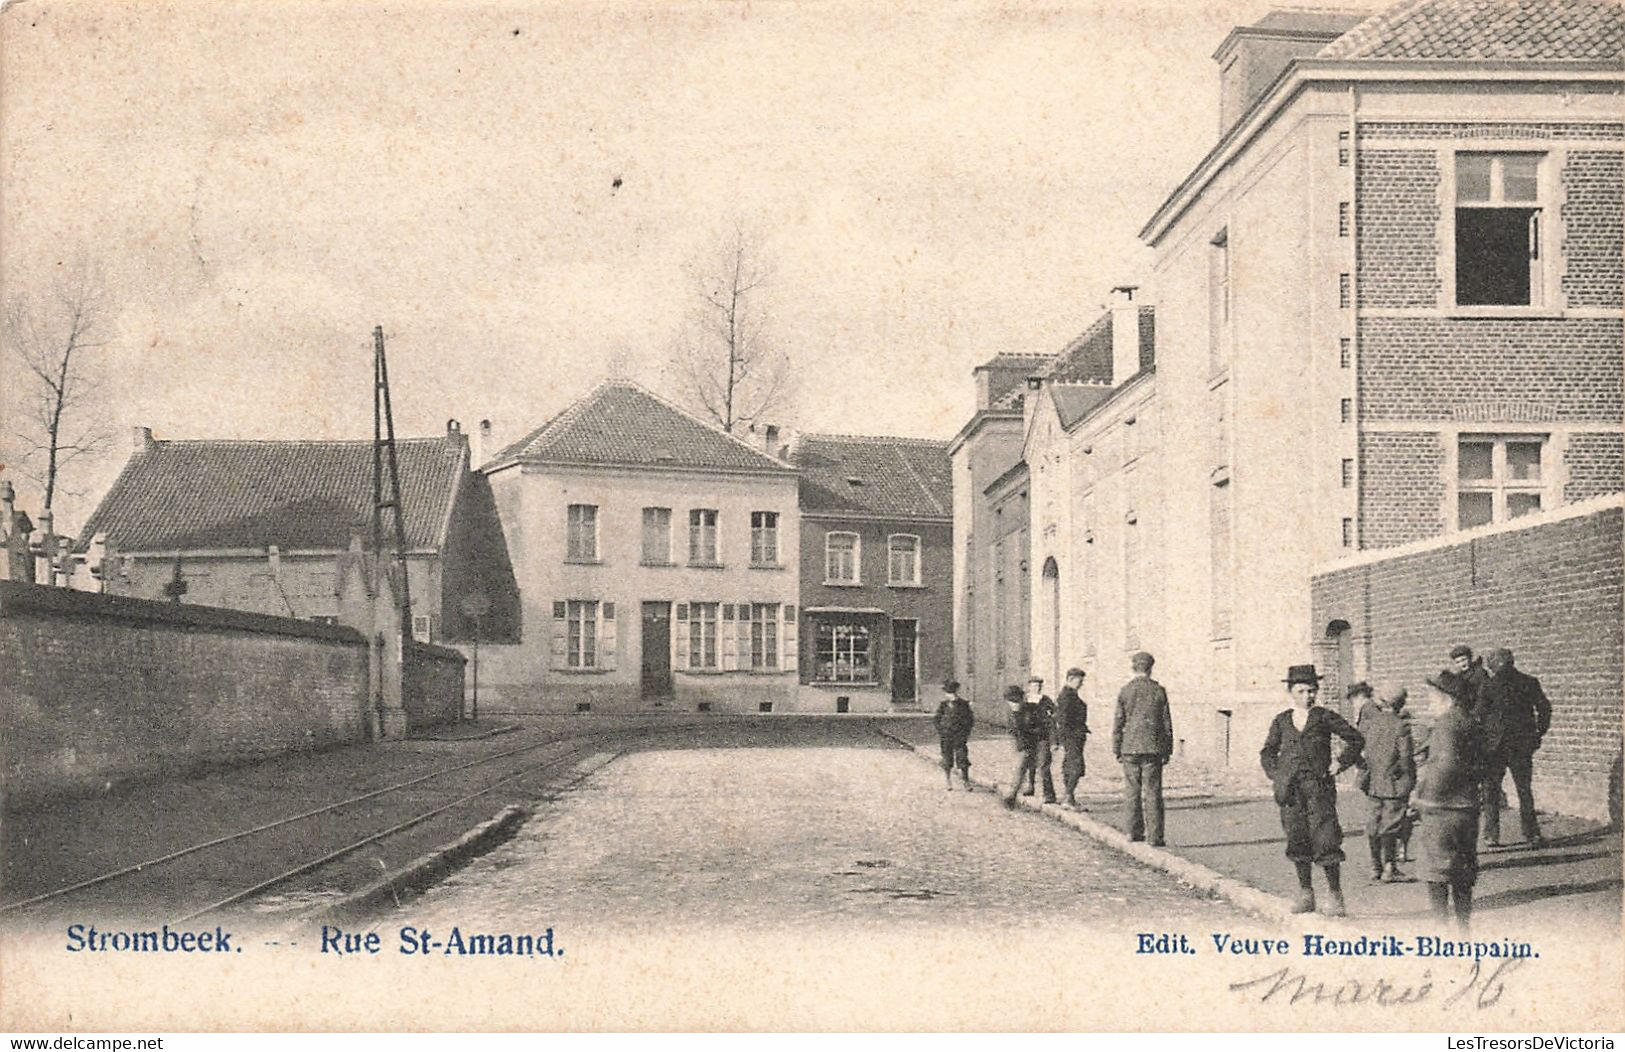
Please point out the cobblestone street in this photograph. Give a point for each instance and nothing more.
(792, 837)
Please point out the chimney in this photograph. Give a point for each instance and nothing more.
(1125, 334)
(482, 446)
(141, 439)
(1252, 57)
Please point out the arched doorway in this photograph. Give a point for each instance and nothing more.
(1052, 616)
(1340, 655)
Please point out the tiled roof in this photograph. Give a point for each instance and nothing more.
(1309, 20)
(1074, 401)
(1007, 376)
(1088, 359)
(237, 494)
(895, 477)
(620, 423)
(1488, 29)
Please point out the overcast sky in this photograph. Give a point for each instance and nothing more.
(261, 184)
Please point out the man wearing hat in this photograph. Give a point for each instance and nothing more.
(1143, 741)
(1072, 728)
(1513, 715)
(954, 720)
(1024, 735)
(1297, 756)
(1388, 777)
(1447, 794)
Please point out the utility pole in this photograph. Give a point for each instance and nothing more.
(383, 455)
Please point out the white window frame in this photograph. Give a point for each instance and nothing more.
(891, 551)
(696, 528)
(701, 631)
(1500, 483)
(764, 638)
(760, 534)
(643, 538)
(835, 671)
(582, 638)
(571, 533)
(1545, 274)
(1220, 300)
(857, 558)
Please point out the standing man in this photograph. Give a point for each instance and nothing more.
(1072, 727)
(1513, 715)
(954, 720)
(1046, 734)
(1469, 668)
(1388, 778)
(1297, 756)
(1024, 736)
(1143, 741)
(1448, 791)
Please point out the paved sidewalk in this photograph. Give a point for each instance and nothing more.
(1227, 822)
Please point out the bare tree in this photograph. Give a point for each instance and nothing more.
(727, 362)
(54, 337)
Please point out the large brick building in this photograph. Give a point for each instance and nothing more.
(876, 571)
(1387, 309)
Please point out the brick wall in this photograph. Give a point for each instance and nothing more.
(101, 689)
(1398, 217)
(1465, 130)
(1401, 487)
(1442, 369)
(1596, 464)
(1594, 228)
(1551, 591)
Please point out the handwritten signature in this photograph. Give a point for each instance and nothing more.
(1482, 987)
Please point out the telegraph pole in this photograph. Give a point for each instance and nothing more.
(384, 456)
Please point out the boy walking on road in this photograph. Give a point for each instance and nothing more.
(954, 721)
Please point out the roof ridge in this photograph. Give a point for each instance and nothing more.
(674, 407)
(283, 441)
(846, 436)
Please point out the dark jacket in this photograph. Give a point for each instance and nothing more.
(1476, 676)
(1389, 754)
(1143, 725)
(1291, 756)
(1452, 758)
(1024, 725)
(954, 718)
(1046, 717)
(1513, 713)
(1072, 717)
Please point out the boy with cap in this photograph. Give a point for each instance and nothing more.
(1297, 756)
(1387, 780)
(1072, 728)
(1024, 736)
(954, 720)
(1447, 793)
(1045, 753)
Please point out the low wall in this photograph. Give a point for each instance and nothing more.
(98, 689)
(1550, 589)
(431, 685)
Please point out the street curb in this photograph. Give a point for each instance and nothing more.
(1198, 876)
(425, 869)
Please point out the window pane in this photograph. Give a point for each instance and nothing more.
(1519, 177)
(656, 535)
(1472, 177)
(1522, 504)
(1474, 509)
(1492, 256)
(1474, 461)
(1523, 460)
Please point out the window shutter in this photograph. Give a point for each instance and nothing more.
(682, 635)
(727, 643)
(744, 638)
(560, 613)
(606, 636)
(787, 640)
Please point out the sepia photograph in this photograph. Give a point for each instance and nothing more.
(1089, 516)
